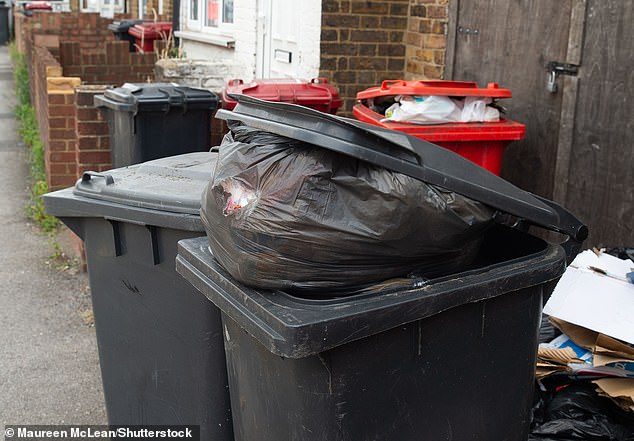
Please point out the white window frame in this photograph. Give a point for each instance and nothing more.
(199, 24)
(102, 6)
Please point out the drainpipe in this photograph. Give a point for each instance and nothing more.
(176, 19)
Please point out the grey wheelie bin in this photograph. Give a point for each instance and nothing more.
(407, 359)
(156, 120)
(160, 344)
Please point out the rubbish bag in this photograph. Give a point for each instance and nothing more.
(574, 411)
(282, 214)
(441, 109)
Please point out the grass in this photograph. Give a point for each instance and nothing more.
(29, 131)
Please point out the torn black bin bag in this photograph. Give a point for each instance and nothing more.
(338, 170)
(576, 412)
(284, 214)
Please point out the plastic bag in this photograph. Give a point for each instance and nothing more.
(576, 412)
(441, 109)
(281, 214)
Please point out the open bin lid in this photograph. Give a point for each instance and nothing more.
(408, 155)
(434, 88)
(164, 192)
(134, 97)
(316, 92)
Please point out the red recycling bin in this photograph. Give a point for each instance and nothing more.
(317, 93)
(481, 142)
(146, 33)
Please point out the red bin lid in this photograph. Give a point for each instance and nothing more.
(151, 29)
(38, 5)
(434, 88)
(316, 92)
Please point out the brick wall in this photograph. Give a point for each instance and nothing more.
(44, 65)
(52, 99)
(75, 139)
(362, 44)
(89, 29)
(426, 39)
(93, 140)
(112, 63)
(60, 145)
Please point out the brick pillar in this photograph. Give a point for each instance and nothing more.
(426, 39)
(59, 155)
(93, 138)
(362, 44)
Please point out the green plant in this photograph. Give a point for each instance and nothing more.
(29, 131)
(59, 260)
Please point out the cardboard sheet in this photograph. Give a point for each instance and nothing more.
(602, 303)
(620, 390)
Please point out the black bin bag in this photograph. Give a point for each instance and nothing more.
(284, 214)
(301, 200)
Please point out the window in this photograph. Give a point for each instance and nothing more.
(207, 15)
(193, 10)
(102, 6)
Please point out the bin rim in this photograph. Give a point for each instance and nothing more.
(503, 130)
(133, 97)
(409, 155)
(297, 329)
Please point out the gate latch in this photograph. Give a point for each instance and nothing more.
(555, 69)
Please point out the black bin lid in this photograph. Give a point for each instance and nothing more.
(165, 192)
(408, 155)
(134, 97)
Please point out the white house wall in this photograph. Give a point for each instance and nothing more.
(242, 59)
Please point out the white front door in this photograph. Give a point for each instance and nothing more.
(280, 34)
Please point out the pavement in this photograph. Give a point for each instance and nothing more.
(49, 365)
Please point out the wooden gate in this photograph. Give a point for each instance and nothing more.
(569, 64)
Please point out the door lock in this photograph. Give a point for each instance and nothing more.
(555, 69)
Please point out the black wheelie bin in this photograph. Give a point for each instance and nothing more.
(160, 343)
(406, 359)
(120, 30)
(156, 120)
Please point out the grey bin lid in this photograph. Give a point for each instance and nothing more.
(156, 97)
(164, 193)
(405, 154)
(173, 184)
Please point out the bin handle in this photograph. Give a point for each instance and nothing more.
(569, 225)
(319, 80)
(184, 99)
(387, 84)
(87, 176)
(448, 84)
(566, 224)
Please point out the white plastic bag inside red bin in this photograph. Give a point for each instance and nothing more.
(441, 109)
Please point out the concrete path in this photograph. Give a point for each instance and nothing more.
(49, 368)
